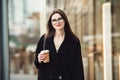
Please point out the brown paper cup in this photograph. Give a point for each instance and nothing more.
(46, 52)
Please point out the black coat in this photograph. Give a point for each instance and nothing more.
(66, 64)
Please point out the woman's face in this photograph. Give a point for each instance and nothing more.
(57, 22)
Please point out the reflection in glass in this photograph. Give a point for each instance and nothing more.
(24, 22)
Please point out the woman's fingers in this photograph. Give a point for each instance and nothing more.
(41, 57)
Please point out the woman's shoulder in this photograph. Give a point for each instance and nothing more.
(74, 39)
(41, 38)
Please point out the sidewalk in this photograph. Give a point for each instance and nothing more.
(23, 77)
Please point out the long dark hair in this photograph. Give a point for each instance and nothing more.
(51, 30)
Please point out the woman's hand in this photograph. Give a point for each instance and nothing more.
(41, 57)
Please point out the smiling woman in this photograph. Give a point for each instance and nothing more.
(27, 23)
(57, 22)
(64, 51)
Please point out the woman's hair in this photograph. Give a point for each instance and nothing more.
(51, 30)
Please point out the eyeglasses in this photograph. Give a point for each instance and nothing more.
(60, 19)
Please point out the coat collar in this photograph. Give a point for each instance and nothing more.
(51, 44)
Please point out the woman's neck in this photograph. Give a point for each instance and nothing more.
(59, 34)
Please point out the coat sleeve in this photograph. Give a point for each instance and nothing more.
(78, 62)
(38, 49)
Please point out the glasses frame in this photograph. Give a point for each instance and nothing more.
(59, 20)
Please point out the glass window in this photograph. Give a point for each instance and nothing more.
(116, 38)
(24, 32)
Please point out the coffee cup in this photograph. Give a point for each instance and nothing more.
(46, 52)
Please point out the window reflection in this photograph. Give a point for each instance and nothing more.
(24, 32)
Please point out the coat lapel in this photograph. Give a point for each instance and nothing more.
(65, 44)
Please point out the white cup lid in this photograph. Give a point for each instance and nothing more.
(44, 51)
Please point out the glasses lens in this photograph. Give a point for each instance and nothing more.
(54, 21)
(60, 19)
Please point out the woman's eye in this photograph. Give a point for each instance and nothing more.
(59, 18)
(54, 20)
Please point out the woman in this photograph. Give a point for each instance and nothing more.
(64, 51)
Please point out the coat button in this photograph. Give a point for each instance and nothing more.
(60, 77)
(50, 77)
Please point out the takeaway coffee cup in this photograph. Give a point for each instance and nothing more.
(46, 52)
